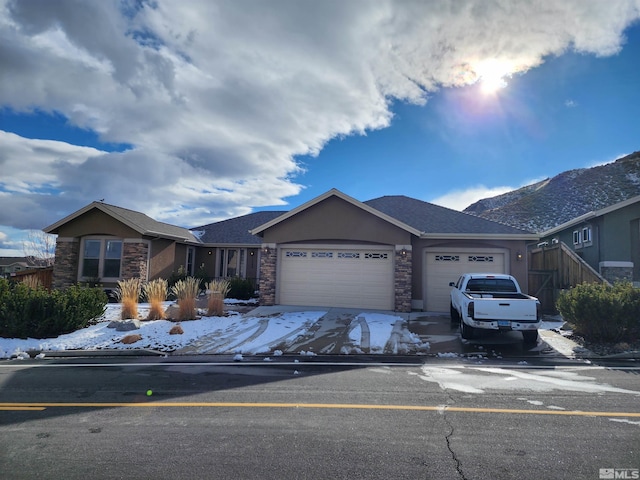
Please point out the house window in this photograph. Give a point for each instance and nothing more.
(232, 262)
(101, 258)
(191, 253)
(586, 235)
(576, 237)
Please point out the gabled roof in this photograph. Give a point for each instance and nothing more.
(336, 193)
(589, 215)
(419, 218)
(431, 219)
(139, 222)
(235, 230)
(23, 261)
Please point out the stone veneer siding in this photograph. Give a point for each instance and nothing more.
(268, 262)
(617, 274)
(65, 268)
(135, 257)
(403, 274)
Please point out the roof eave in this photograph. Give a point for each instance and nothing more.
(151, 233)
(480, 236)
(590, 215)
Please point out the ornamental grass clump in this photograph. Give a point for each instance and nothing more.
(156, 292)
(128, 293)
(32, 282)
(186, 291)
(218, 290)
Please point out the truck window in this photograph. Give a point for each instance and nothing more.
(502, 285)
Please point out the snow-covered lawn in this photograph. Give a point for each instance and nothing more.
(235, 333)
(232, 334)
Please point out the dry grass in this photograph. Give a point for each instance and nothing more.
(128, 293)
(186, 291)
(32, 281)
(156, 292)
(218, 290)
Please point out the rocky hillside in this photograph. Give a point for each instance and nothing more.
(556, 200)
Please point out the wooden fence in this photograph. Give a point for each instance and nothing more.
(43, 276)
(555, 268)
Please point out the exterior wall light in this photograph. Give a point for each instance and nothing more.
(519, 256)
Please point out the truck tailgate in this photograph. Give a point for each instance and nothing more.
(505, 309)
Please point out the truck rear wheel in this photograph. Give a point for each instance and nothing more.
(530, 336)
(466, 331)
(455, 318)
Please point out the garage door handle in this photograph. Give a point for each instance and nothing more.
(504, 304)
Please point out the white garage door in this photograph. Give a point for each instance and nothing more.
(337, 277)
(443, 267)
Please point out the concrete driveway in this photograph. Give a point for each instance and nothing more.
(415, 333)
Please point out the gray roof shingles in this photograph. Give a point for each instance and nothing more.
(236, 230)
(430, 218)
(148, 225)
(423, 216)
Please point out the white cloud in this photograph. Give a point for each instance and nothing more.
(218, 98)
(461, 199)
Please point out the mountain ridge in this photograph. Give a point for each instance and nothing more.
(546, 204)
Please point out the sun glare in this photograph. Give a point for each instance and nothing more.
(491, 75)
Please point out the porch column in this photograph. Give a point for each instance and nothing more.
(268, 267)
(65, 266)
(402, 278)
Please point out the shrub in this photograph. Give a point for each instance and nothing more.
(36, 313)
(218, 290)
(241, 288)
(128, 292)
(601, 312)
(155, 292)
(186, 292)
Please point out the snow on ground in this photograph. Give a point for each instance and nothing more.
(231, 334)
(235, 333)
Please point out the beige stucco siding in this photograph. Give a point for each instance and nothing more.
(335, 219)
(96, 222)
(162, 258)
(516, 267)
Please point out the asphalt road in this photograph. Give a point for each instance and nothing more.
(440, 419)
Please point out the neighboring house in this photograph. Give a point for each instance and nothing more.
(102, 243)
(607, 239)
(11, 265)
(390, 253)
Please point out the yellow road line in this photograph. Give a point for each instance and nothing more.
(13, 408)
(344, 406)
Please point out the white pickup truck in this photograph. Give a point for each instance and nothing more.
(485, 301)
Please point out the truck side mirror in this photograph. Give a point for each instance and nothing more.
(452, 284)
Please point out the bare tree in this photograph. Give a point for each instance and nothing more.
(40, 247)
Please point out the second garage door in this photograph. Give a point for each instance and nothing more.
(444, 266)
(337, 277)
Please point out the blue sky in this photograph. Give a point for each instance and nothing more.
(193, 113)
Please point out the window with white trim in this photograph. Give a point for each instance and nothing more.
(576, 237)
(232, 262)
(586, 235)
(101, 258)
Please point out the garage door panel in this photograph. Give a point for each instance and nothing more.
(357, 278)
(443, 267)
